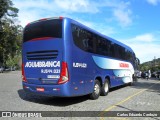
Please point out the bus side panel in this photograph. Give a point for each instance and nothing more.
(82, 72)
(84, 66)
(77, 61)
(75, 89)
(121, 71)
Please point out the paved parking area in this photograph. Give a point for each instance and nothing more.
(144, 95)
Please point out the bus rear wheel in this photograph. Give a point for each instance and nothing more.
(96, 92)
(105, 88)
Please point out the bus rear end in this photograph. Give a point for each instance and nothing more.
(44, 70)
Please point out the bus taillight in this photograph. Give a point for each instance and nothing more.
(64, 75)
(23, 74)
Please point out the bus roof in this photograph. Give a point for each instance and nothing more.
(84, 26)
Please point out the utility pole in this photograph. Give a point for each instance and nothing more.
(154, 61)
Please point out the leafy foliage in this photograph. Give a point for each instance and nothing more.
(6, 7)
(153, 65)
(10, 34)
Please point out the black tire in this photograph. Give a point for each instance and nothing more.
(105, 88)
(96, 91)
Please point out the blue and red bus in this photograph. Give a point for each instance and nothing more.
(62, 57)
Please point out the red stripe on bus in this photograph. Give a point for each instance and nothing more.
(42, 38)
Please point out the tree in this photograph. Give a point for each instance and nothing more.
(150, 65)
(10, 42)
(6, 8)
(10, 33)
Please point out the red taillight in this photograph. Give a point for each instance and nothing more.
(23, 74)
(64, 76)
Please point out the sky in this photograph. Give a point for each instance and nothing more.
(135, 23)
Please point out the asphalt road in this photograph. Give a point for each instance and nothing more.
(144, 95)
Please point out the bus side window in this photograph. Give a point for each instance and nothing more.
(85, 43)
(82, 38)
(101, 46)
(104, 52)
(98, 46)
(108, 47)
(112, 50)
(90, 43)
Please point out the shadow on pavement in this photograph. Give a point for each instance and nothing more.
(57, 101)
(54, 101)
(65, 101)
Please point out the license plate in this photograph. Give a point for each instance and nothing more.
(40, 89)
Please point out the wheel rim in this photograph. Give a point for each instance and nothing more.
(96, 89)
(106, 87)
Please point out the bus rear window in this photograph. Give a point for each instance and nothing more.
(47, 28)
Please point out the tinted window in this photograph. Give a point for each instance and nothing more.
(91, 42)
(47, 28)
(83, 39)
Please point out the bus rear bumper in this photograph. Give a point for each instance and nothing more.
(47, 90)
